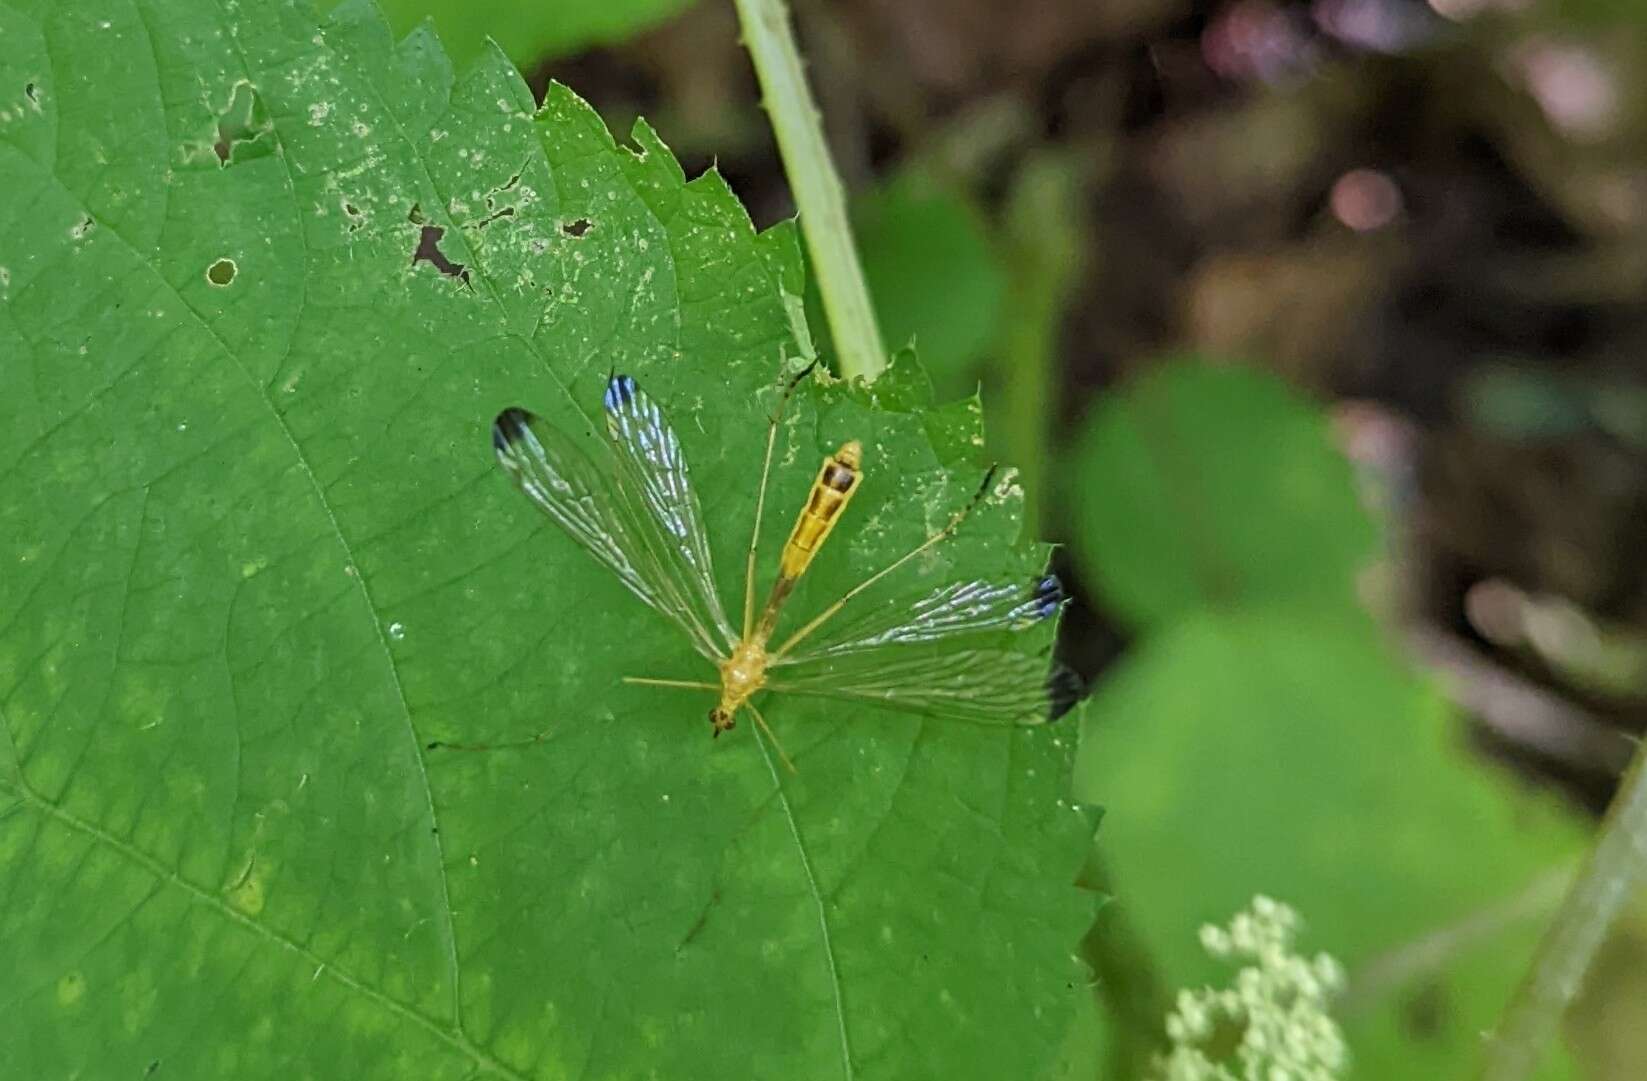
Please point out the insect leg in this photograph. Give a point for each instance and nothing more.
(690, 684)
(784, 758)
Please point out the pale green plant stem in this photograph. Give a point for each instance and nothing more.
(1615, 869)
(1043, 256)
(816, 187)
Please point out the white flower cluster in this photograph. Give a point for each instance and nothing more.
(1273, 1024)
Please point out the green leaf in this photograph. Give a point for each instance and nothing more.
(1278, 753)
(528, 32)
(1202, 486)
(935, 279)
(263, 285)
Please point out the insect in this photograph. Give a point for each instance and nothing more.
(640, 517)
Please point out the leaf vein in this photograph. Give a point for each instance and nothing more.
(818, 901)
(452, 1037)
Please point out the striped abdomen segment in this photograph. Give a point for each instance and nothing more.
(837, 479)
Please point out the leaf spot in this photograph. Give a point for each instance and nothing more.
(71, 989)
(246, 891)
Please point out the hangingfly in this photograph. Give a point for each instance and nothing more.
(640, 517)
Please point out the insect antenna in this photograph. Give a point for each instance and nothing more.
(760, 498)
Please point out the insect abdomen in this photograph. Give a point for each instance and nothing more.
(837, 479)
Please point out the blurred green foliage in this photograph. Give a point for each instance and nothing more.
(1526, 402)
(1613, 14)
(936, 281)
(1214, 487)
(529, 33)
(1264, 737)
(1267, 751)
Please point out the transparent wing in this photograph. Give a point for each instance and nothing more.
(983, 686)
(556, 475)
(959, 608)
(655, 479)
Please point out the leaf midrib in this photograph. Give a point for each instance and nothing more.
(454, 1036)
(818, 900)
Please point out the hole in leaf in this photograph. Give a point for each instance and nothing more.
(428, 251)
(244, 130)
(32, 93)
(577, 228)
(79, 229)
(506, 212)
(356, 217)
(415, 215)
(222, 272)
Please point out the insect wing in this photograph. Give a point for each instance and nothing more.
(557, 476)
(654, 476)
(969, 607)
(983, 686)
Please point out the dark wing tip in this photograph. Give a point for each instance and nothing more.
(508, 427)
(1065, 689)
(1049, 596)
(620, 391)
